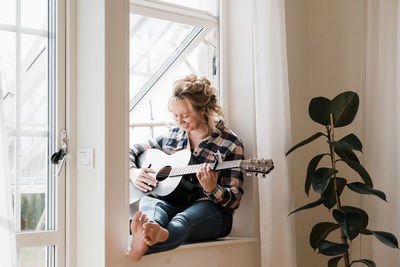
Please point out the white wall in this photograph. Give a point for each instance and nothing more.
(325, 42)
(239, 104)
(90, 133)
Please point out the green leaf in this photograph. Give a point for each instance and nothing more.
(320, 231)
(350, 222)
(345, 154)
(321, 179)
(353, 224)
(344, 108)
(364, 215)
(339, 216)
(366, 232)
(366, 190)
(309, 206)
(318, 110)
(349, 142)
(361, 171)
(329, 248)
(329, 193)
(369, 263)
(386, 238)
(311, 170)
(304, 142)
(334, 261)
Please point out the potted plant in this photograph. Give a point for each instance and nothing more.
(350, 221)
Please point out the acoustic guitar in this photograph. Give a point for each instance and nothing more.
(170, 170)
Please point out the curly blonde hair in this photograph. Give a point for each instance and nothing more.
(200, 96)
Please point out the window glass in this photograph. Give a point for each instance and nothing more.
(8, 74)
(7, 12)
(24, 68)
(210, 6)
(36, 19)
(34, 86)
(30, 84)
(32, 257)
(152, 43)
(153, 107)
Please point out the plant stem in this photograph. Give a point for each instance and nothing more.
(331, 135)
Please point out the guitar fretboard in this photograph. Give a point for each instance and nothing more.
(190, 169)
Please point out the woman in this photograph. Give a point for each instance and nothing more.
(207, 213)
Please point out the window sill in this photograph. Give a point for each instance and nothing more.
(219, 242)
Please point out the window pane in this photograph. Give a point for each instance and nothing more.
(210, 6)
(8, 70)
(33, 215)
(34, 86)
(7, 12)
(24, 82)
(141, 134)
(154, 106)
(203, 60)
(32, 257)
(33, 183)
(36, 19)
(152, 42)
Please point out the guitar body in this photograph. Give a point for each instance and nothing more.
(169, 188)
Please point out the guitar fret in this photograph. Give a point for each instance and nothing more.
(228, 164)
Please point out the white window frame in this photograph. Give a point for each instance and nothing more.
(54, 237)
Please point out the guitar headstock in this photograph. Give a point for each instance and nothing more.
(262, 166)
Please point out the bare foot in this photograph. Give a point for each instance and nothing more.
(138, 245)
(154, 233)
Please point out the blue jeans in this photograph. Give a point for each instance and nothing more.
(202, 220)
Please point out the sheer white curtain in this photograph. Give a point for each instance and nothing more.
(382, 122)
(273, 131)
(7, 232)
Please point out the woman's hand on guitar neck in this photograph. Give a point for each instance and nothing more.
(207, 178)
(142, 179)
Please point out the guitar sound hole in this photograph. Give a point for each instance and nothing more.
(163, 173)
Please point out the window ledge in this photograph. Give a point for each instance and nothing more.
(230, 240)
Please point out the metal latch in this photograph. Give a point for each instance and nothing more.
(62, 154)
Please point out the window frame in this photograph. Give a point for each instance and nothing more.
(53, 239)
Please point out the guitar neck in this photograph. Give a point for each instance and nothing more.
(192, 169)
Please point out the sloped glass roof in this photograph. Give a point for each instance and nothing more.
(154, 44)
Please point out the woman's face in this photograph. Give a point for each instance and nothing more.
(185, 118)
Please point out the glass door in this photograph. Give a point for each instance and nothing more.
(32, 79)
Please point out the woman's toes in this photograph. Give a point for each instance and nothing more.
(137, 215)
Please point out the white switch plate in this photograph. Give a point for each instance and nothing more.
(85, 158)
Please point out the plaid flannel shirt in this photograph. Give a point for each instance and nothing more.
(230, 181)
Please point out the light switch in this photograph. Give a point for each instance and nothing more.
(85, 158)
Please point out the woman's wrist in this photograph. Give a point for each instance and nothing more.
(216, 193)
(211, 192)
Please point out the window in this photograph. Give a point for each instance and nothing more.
(31, 79)
(168, 40)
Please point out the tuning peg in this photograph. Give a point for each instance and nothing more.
(248, 174)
